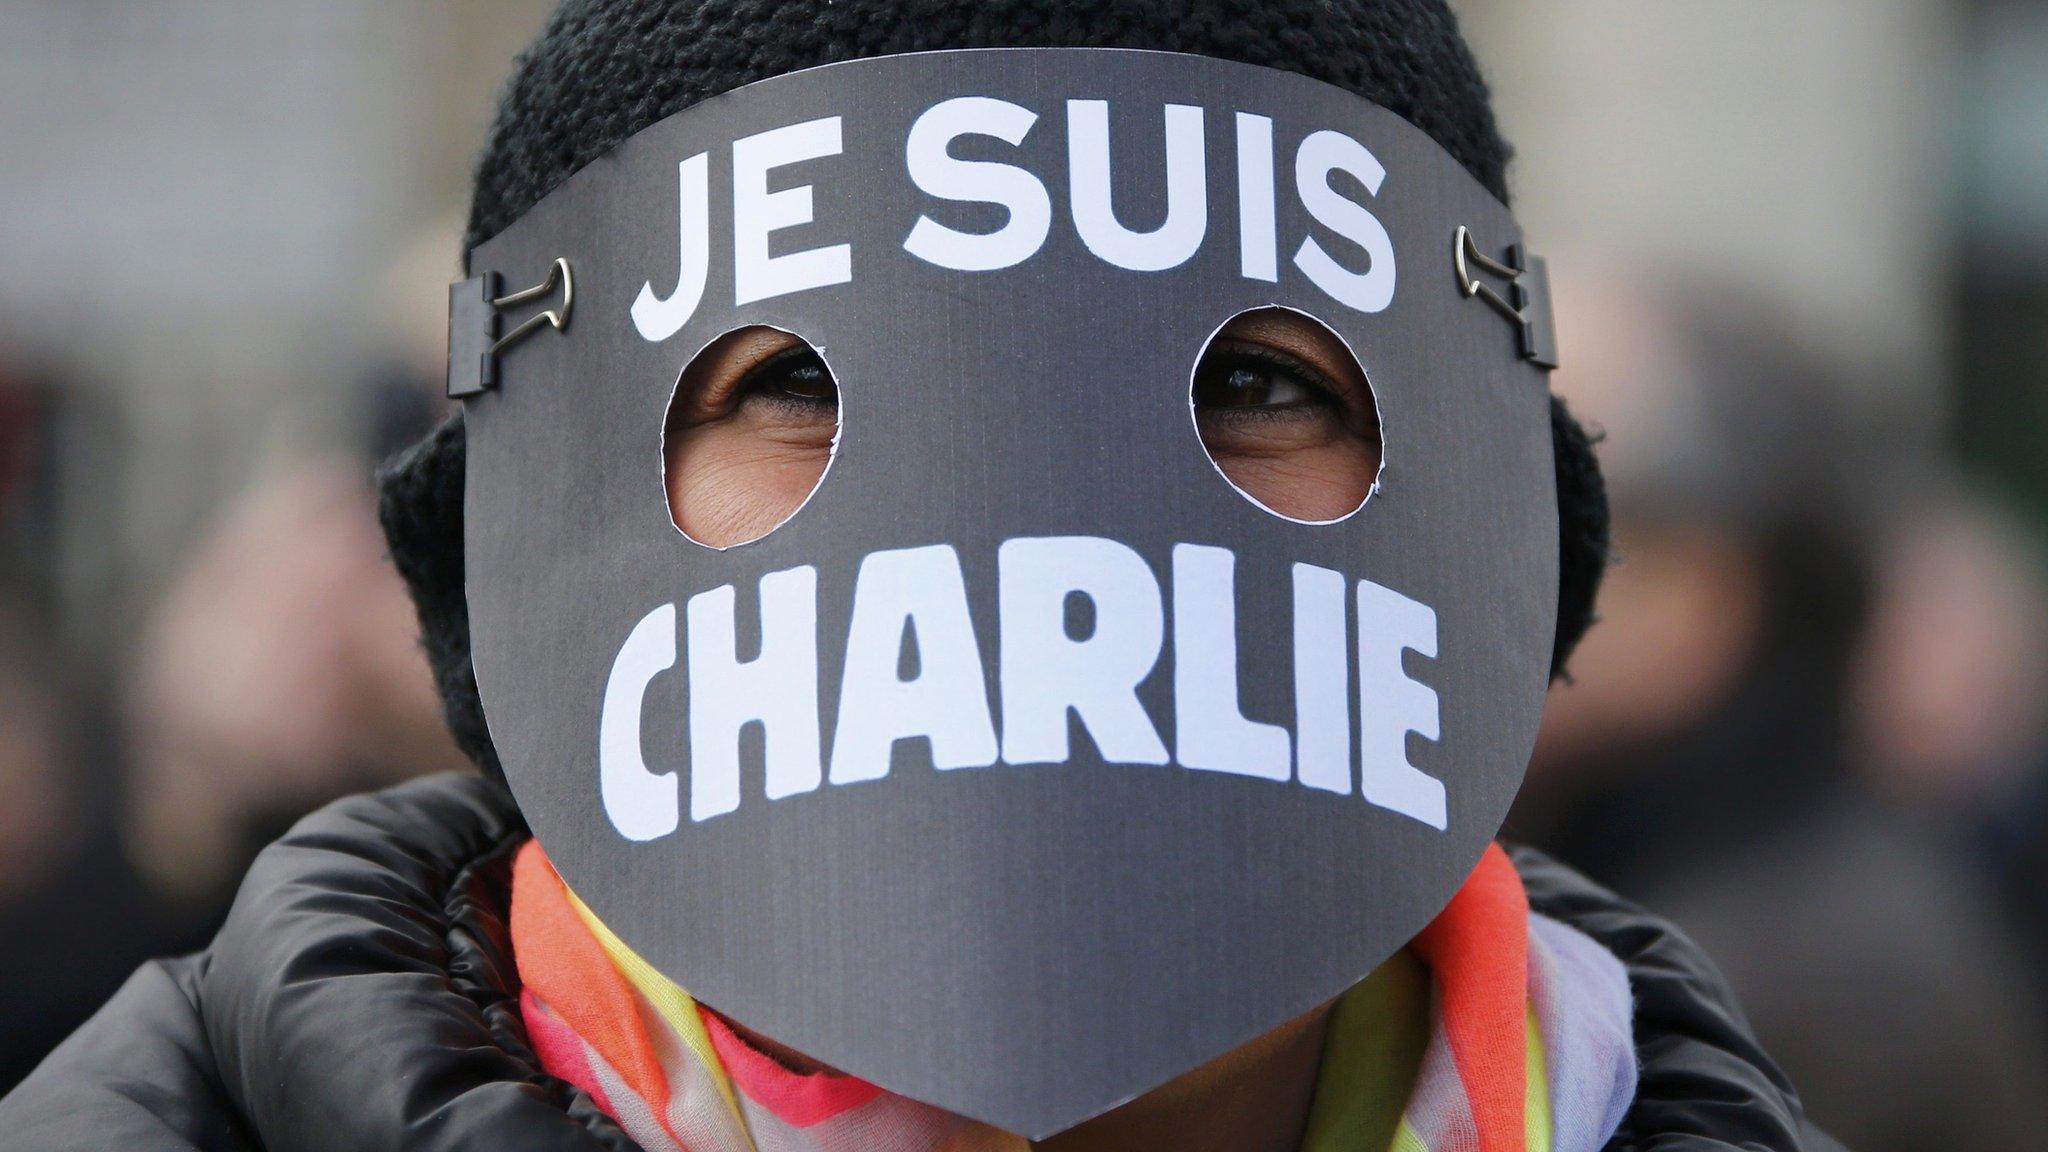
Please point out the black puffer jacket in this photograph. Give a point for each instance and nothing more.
(362, 996)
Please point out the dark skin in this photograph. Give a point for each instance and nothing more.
(1287, 415)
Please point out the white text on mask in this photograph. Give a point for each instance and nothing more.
(1044, 675)
(758, 214)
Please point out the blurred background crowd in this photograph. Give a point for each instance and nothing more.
(1801, 257)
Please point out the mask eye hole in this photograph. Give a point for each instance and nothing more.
(751, 430)
(1287, 416)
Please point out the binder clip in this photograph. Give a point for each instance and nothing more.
(473, 340)
(1527, 304)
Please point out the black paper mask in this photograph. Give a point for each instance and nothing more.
(1028, 868)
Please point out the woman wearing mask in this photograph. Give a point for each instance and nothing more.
(1022, 580)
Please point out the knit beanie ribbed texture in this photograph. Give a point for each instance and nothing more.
(604, 69)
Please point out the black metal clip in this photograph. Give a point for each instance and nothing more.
(1527, 305)
(473, 340)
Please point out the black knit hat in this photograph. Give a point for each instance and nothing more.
(603, 70)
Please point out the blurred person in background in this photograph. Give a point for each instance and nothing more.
(75, 918)
(282, 669)
(1736, 598)
(1950, 691)
(1705, 757)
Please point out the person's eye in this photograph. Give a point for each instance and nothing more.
(1246, 379)
(795, 380)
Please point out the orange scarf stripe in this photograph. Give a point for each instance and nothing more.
(564, 965)
(1477, 950)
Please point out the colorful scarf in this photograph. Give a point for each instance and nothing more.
(1496, 1030)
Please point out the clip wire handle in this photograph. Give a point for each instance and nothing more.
(1528, 283)
(473, 340)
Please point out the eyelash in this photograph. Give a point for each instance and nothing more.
(1229, 356)
(763, 383)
